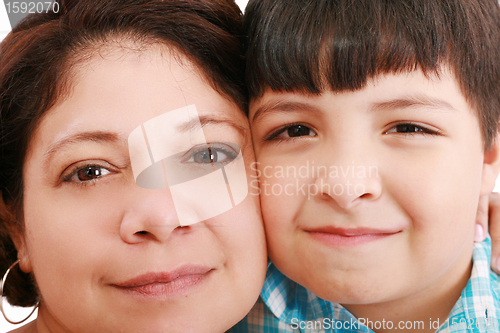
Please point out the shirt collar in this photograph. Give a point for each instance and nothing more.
(480, 297)
(288, 300)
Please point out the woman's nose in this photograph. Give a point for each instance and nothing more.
(150, 216)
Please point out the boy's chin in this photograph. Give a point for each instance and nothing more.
(355, 294)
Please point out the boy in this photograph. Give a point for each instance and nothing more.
(375, 127)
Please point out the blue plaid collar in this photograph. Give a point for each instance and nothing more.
(477, 309)
(288, 300)
(292, 303)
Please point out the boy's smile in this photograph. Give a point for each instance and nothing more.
(349, 236)
(385, 212)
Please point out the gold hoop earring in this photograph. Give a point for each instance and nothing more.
(1, 300)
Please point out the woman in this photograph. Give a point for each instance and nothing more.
(103, 244)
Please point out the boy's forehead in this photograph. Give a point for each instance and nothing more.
(393, 90)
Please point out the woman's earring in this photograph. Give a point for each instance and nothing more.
(1, 300)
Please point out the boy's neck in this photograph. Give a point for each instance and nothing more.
(426, 306)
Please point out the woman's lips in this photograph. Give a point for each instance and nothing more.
(165, 284)
(350, 236)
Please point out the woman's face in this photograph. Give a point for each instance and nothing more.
(109, 255)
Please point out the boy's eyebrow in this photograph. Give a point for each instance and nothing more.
(281, 106)
(206, 120)
(412, 101)
(92, 136)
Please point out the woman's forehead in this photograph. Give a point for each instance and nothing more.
(123, 90)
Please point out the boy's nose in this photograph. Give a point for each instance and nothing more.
(347, 191)
(150, 216)
(352, 177)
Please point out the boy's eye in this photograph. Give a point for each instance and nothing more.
(409, 128)
(210, 153)
(292, 131)
(299, 130)
(87, 173)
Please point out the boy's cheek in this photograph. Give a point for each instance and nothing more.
(283, 197)
(282, 200)
(278, 212)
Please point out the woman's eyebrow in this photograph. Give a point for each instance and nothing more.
(208, 120)
(93, 136)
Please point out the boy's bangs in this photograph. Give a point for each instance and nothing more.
(316, 45)
(312, 46)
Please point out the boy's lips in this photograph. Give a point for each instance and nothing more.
(349, 236)
(165, 284)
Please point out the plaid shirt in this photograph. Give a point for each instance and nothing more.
(478, 309)
(285, 306)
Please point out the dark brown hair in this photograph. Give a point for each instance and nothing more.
(315, 45)
(37, 57)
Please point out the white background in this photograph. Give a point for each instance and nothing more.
(4, 30)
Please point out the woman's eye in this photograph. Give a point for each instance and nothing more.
(210, 154)
(408, 128)
(87, 173)
(292, 131)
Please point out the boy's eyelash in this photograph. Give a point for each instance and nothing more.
(424, 130)
(273, 135)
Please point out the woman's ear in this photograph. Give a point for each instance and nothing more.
(491, 166)
(10, 228)
(22, 250)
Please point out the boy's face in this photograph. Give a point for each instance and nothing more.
(370, 196)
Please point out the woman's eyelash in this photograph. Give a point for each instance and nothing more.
(216, 152)
(87, 174)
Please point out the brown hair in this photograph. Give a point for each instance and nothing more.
(36, 59)
(314, 45)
